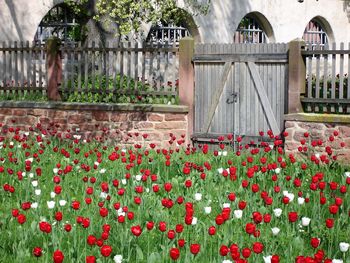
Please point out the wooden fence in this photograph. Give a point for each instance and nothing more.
(93, 72)
(327, 87)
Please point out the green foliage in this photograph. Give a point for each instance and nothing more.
(101, 89)
(130, 14)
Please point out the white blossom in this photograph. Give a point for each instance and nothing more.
(337, 261)
(238, 214)
(277, 212)
(226, 205)
(301, 200)
(50, 204)
(220, 170)
(138, 177)
(227, 261)
(55, 170)
(103, 195)
(198, 196)
(275, 231)
(62, 202)
(35, 183)
(37, 192)
(347, 174)
(305, 221)
(118, 259)
(344, 246)
(267, 259)
(207, 209)
(102, 171)
(277, 170)
(52, 194)
(34, 205)
(124, 181)
(194, 221)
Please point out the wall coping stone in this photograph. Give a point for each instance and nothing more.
(96, 107)
(314, 117)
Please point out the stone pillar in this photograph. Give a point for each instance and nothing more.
(186, 80)
(297, 76)
(54, 68)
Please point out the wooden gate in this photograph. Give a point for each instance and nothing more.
(239, 89)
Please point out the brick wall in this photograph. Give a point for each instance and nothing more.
(126, 124)
(319, 131)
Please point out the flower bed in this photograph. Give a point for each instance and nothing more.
(69, 200)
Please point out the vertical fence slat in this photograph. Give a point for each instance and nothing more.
(93, 77)
(79, 68)
(28, 58)
(173, 70)
(16, 84)
(65, 70)
(40, 62)
(121, 71)
(309, 81)
(136, 67)
(348, 82)
(325, 78)
(34, 58)
(86, 53)
(72, 67)
(143, 67)
(151, 70)
(341, 78)
(22, 87)
(101, 90)
(115, 68)
(107, 61)
(317, 83)
(128, 68)
(333, 77)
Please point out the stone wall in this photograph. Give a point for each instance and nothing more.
(119, 123)
(319, 131)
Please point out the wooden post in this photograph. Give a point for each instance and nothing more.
(297, 76)
(186, 80)
(54, 68)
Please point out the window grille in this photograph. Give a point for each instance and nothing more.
(58, 22)
(164, 34)
(250, 31)
(314, 35)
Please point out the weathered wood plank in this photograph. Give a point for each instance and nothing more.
(263, 98)
(333, 75)
(217, 94)
(341, 77)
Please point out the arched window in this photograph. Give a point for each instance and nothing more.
(163, 34)
(250, 30)
(60, 21)
(315, 34)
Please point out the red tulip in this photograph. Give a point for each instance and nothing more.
(58, 256)
(37, 251)
(106, 250)
(195, 248)
(258, 247)
(136, 230)
(174, 253)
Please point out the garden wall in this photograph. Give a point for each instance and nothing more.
(319, 127)
(115, 122)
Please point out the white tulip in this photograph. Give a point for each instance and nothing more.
(52, 194)
(301, 200)
(34, 205)
(220, 170)
(102, 171)
(347, 174)
(103, 195)
(344, 246)
(35, 183)
(198, 196)
(227, 261)
(238, 214)
(207, 210)
(138, 177)
(31, 175)
(277, 212)
(194, 221)
(226, 205)
(224, 153)
(277, 170)
(118, 258)
(37, 192)
(50, 204)
(275, 231)
(55, 170)
(124, 181)
(305, 221)
(30, 160)
(337, 261)
(267, 259)
(62, 202)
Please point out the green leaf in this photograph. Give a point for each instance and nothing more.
(154, 258)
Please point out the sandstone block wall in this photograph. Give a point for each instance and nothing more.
(118, 126)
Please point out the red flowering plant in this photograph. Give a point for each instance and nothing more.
(64, 199)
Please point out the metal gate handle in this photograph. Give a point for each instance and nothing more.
(234, 98)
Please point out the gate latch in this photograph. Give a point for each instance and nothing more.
(233, 98)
